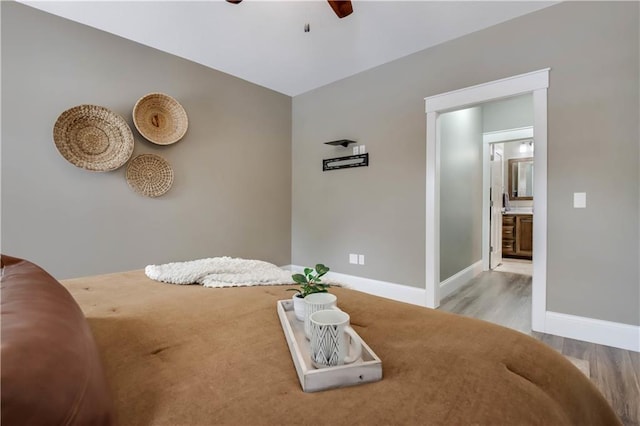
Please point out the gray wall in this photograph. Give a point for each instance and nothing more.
(510, 113)
(460, 135)
(232, 187)
(593, 109)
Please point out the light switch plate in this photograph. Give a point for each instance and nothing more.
(353, 258)
(356, 150)
(361, 259)
(579, 200)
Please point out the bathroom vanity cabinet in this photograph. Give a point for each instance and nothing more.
(517, 236)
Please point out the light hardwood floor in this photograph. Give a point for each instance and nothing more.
(505, 298)
(516, 266)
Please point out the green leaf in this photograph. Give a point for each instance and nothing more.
(299, 278)
(308, 271)
(321, 269)
(316, 289)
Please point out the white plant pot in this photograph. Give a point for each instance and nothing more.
(298, 307)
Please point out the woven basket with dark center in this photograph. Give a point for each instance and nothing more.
(160, 118)
(150, 175)
(93, 137)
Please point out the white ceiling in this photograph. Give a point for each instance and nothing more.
(264, 41)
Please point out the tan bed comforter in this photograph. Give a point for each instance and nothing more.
(188, 355)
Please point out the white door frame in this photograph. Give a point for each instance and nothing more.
(488, 138)
(490, 201)
(535, 82)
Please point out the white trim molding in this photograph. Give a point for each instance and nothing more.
(393, 291)
(508, 135)
(459, 279)
(618, 335)
(497, 89)
(539, 277)
(432, 246)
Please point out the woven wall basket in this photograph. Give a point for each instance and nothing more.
(93, 137)
(149, 175)
(160, 118)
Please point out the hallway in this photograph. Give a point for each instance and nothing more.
(499, 297)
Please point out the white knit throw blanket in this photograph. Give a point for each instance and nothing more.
(220, 272)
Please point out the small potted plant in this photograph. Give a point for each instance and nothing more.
(309, 283)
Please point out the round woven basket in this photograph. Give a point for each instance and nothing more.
(160, 118)
(93, 137)
(150, 175)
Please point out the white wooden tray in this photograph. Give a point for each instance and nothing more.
(366, 369)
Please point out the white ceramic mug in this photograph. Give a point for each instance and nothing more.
(329, 342)
(317, 302)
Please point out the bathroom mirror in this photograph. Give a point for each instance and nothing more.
(521, 178)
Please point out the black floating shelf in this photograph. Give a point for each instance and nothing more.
(343, 142)
(348, 162)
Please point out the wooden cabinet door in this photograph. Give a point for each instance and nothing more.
(508, 248)
(508, 235)
(524, 235)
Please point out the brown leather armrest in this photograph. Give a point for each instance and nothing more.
(51, 369)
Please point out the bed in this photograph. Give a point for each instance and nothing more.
(188, 355)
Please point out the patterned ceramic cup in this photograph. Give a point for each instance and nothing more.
(329, 342)
(317, 302)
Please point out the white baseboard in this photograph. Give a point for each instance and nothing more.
(399, 292)
(618, 335)
(456, 281)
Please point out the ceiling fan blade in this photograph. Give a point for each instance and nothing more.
(340, 7)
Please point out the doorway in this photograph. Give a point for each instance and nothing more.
(536, 83)
(510, 193)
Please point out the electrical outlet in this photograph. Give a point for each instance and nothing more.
(362, 149)
(355, 150)
(361, 259)
(353, 258)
